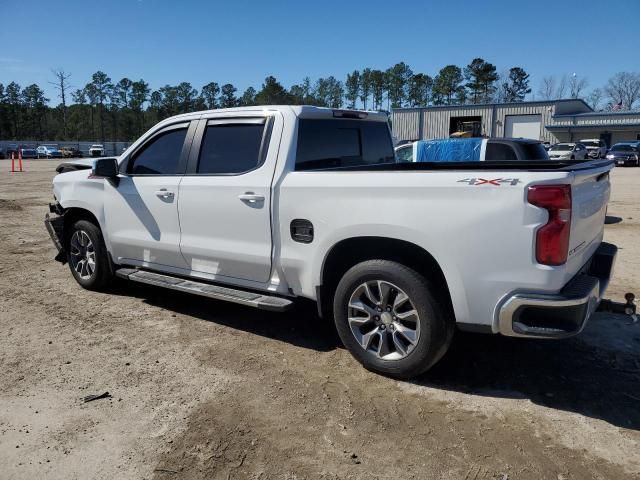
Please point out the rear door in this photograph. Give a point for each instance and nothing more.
(225, 197)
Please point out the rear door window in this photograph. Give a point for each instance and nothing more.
(231, 148)
(342, 143)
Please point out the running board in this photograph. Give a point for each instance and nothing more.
(250, 299)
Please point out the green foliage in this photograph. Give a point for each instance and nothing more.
(228, 97)
(272, 93)
(420, 87)
(516, 87)
(352, 88)
(481, 77)
(447, 84)
(104, 110)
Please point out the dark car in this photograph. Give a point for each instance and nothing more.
(625, 154)
(11, 148)
(28, 151)
(2, 154)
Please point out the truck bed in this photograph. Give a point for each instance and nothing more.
(529, 166)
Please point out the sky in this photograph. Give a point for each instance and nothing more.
(242, 42)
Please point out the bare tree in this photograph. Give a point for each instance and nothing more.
(595, 98)
(561, 90)
(547, 88)
(624, 89)
(62, 86)
(577, 85)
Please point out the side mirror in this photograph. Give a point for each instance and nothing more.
(105, 168)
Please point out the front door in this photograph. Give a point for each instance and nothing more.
(225, 198)
(141, 211)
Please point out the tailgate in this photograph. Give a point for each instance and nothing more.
(590, 191)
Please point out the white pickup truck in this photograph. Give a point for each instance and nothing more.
(263, 205)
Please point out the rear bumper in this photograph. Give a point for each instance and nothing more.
(563, 314)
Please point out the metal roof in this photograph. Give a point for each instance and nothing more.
(506, 104)
(596, 126)
(635, 111)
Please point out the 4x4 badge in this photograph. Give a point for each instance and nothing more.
(493, 181)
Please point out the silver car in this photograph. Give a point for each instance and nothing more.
(568, 151)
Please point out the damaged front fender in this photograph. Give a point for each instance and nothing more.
(55, 227)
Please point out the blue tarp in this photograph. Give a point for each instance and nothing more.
(448, 150)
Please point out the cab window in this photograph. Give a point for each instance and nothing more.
(161, 155)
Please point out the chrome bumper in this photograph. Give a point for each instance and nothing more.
(564, 314)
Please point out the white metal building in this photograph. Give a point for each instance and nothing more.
(550, 121)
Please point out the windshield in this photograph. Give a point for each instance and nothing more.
(405, 153)
(562, 147)
(622, 148)
(591, 144)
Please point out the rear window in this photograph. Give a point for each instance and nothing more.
(623, 148)
(500, 151)
(342, 143)
(562, 147)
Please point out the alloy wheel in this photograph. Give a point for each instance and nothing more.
(83, 255)
(383, 320)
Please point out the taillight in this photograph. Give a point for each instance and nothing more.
(552, 239)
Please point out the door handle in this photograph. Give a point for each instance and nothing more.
(164, 193)
(251, 197)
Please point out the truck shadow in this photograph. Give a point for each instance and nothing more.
(596, 374)
(300, 327)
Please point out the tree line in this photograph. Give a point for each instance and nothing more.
(105, 109)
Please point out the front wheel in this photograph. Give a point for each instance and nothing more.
(389, 318)
(87, 256)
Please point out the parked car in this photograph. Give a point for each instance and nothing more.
(96, 150)
(48, 151)
(12, 148)
(625, 154)
(28, 151)
(70, 152)
(2, 154)
(262, 206)
(568, 151)
(596, 148)
(472, 150)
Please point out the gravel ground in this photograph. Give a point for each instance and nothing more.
(203, 389)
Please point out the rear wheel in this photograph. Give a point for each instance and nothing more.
(87, 256)
(389, 319)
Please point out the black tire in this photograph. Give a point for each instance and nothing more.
(435, 321)
(102, 275)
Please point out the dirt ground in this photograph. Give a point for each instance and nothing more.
(206, 390)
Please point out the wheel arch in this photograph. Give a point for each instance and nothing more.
(73, 214)
(351, 251)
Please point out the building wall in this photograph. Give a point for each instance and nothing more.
(429, 123)
(616, 136)
(544, 110)
(434, 122)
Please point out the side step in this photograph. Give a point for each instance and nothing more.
(256, 300)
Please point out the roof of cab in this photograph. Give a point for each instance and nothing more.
(301, 111)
